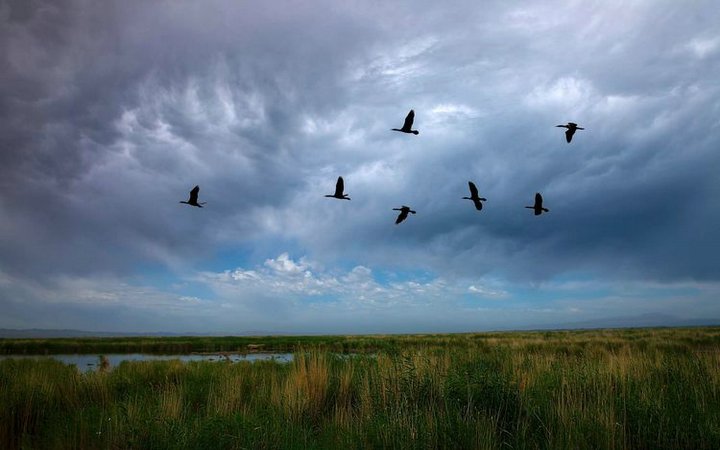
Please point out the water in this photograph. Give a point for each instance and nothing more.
(91, 363)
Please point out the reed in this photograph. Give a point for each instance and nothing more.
(653, 388)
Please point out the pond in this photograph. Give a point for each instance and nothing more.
(90, 363)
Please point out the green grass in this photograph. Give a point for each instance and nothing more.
(696, 337)
(643, 388)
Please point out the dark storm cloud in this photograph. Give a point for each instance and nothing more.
(628, 197)
(110, 113)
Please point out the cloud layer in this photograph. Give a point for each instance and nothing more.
(110, 114)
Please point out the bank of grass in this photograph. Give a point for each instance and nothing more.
(652, 388)
(696, 337)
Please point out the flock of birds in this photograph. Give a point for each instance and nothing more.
(405, 210)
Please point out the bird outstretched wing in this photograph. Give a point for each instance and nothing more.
(538, 200)
(339, 187)
(409, 120)
(569, 134)
(473, 189)
(194, 194)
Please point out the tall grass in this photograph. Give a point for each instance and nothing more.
(601, 389)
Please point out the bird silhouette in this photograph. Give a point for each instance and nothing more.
(192, 201)
(407, 126)
(474, 196)
(538, 207)
(571, 127)
(339, 188)
(403, 213)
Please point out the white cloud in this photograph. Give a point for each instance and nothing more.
(285, 265)
(283, 277)
(704, 47)
(565, 92)
(487, 292)
(448, 117)
(398, 64)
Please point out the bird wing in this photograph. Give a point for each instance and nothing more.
(473, 189)
(194, 194)
(339, 187)
(538, 200)
(402, 216)
(569, 134)
(478, 204)
(409, 120)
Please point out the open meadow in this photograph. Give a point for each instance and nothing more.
(637, 388)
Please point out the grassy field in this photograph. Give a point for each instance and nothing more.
(644, 388)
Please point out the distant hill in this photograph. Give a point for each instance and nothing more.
(49, 333)
(43, 333)
(641, 321)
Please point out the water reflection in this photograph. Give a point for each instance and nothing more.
(91, 363)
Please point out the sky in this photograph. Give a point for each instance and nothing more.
(110, 112)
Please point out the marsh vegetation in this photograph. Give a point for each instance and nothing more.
(648, 388)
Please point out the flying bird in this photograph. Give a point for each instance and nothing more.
(403, 213)
(474, 196)
(407, 126)
(339, 188)
(538, 207)
(192, 201)
(571, 127)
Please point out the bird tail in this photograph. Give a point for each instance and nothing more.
(546, 210)
(415, 132)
